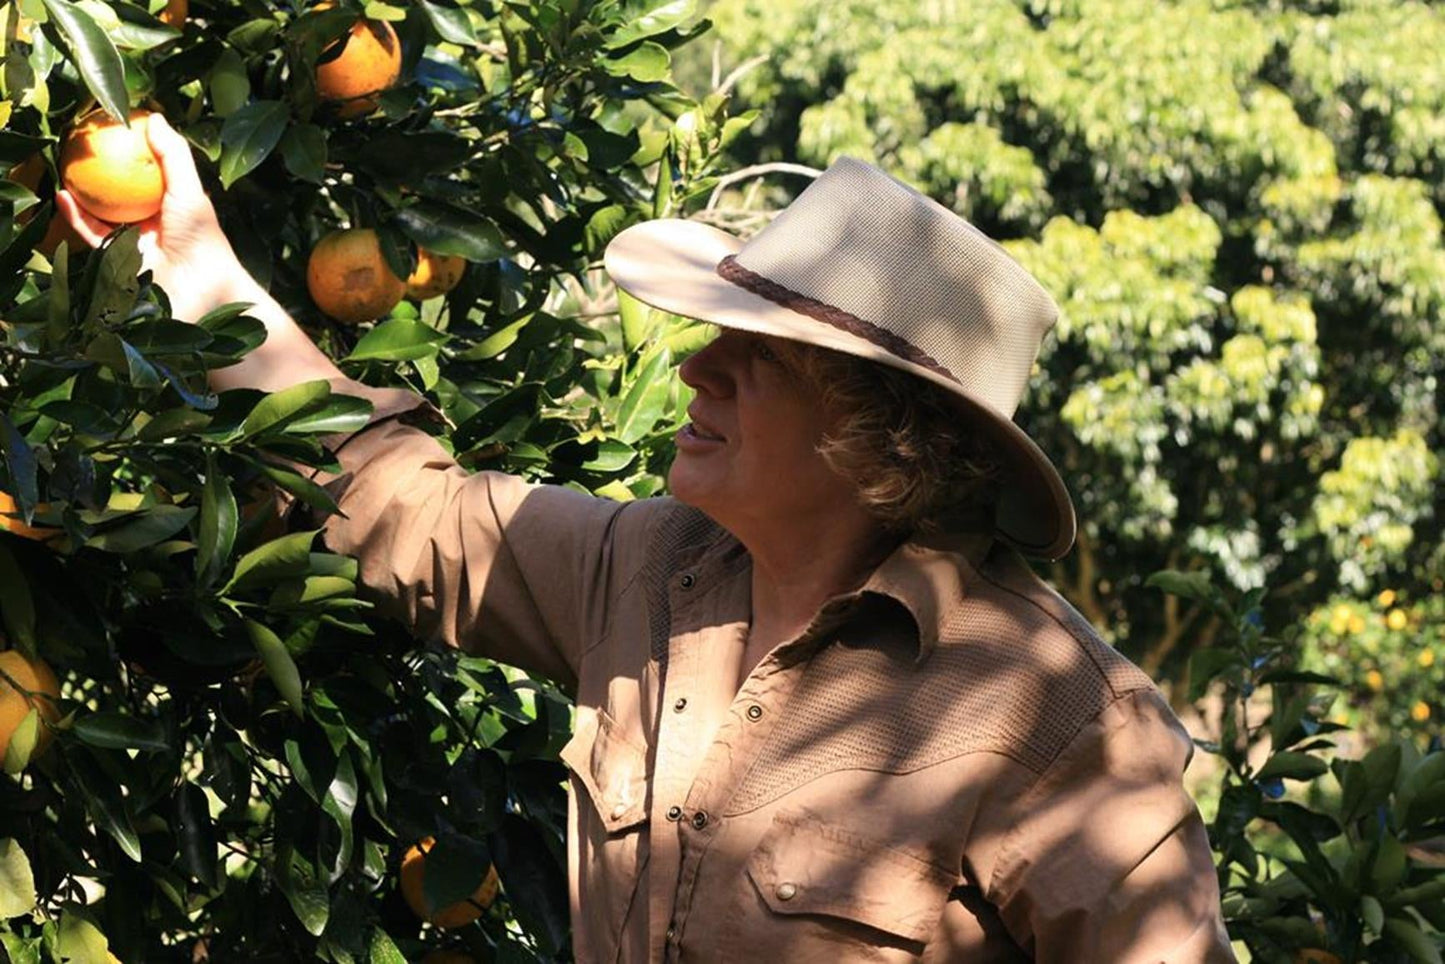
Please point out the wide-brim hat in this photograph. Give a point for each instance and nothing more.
(863, 264)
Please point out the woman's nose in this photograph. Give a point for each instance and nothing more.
(707, 370)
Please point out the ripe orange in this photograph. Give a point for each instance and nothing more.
(435, 274)
(110, 168)
(369, 63)
(39, 680)
(175, 13)
(349, 279)
(463, 912)
(10, 521)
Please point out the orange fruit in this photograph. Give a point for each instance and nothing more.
(1420, 712)
(175, 13)
(35, 677)
(349, 278)
(463, 912)
(1397, 620)
(369, 63)
(111, 170)
(10, 521)
(435, 274)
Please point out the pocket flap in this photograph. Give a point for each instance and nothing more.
(804, 865)
(611, 767)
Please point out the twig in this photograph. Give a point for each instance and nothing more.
(758, 170)
(738, 73)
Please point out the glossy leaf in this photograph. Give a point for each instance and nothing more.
(279, 665)
(94, 55)
(249, 136)
(218, 523)
(120, 731)
(17, 882)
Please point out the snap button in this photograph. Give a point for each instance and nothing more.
(688, 580)
(787, 891)
(671, 934)
(680, 705)
(755, 712)
(699, 820)
(618, 811)
(674, 813)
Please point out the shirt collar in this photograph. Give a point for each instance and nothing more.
(928, 577)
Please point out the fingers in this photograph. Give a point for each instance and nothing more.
(91, 230)
(177, 164)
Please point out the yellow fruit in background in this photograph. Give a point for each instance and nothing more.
(369, 62)
(1374, 680)
(1426, 659)
(1397, 620)
(435, 274)
(1420, 712)
(463, 912)
(349, 278)
(1343, 611)
(1357, 623)
(110, 168)
(1386, 598)
(39, 680)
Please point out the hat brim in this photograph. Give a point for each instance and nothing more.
(671, 264)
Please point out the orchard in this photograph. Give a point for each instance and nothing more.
(214, 750)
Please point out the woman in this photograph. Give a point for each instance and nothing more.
(825, 711)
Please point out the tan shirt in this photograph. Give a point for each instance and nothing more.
(947, 765)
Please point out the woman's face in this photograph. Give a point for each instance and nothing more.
(749, 457)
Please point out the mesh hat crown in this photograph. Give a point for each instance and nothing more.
(864, 264)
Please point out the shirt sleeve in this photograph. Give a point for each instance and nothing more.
(519, 572)
(1109, 860)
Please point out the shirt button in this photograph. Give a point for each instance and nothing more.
(674, 813)
(755, 712)
(618, 811)
(680, 705)
(787, 891)
(671, 934)
(699, 820)
(688, 580)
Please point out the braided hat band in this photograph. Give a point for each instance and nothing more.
(863, 264)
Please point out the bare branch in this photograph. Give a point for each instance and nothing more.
(758, 170)
(739, 72)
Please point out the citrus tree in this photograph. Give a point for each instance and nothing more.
(212, 747)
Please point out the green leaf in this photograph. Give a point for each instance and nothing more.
(303, 150)
(229, 84)
(341, 413)
(450, 23)
(17, 883)
(94, 56)
(23, 742)
(648, 63)
(1190, 585)
(301, 487)
(281, 408)
(444, 229)
(219, 521)
(1389, 867)
(306, 893)
(107, 807)
(279, 665)
(646, 399)
(120, 731)
(1372, 914)
(655, 21)
(1415, 942)
(639, 321)
(20, 460)
(455, 867)
(80, 941)
(17, 606)
(143, 529)
(115, 353)
(1292, 766)
(249, 136)
(195, 834)
(114, 288)
(383, 950)
(275, 560)
(397, 339)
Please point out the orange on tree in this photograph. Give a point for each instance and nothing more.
(38, 690)
(368, 62)
(349, 278)
(463, 912)
(175, 13)
(435, 274)
(110, 168)
(10, 521)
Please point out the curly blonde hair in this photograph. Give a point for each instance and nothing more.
(899, 439)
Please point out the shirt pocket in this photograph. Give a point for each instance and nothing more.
(804, 865)
(612, 768)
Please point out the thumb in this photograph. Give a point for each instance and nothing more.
(174, 153)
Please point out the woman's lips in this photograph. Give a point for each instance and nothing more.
(694, 436)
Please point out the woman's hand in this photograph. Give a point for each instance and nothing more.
(183, 245)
